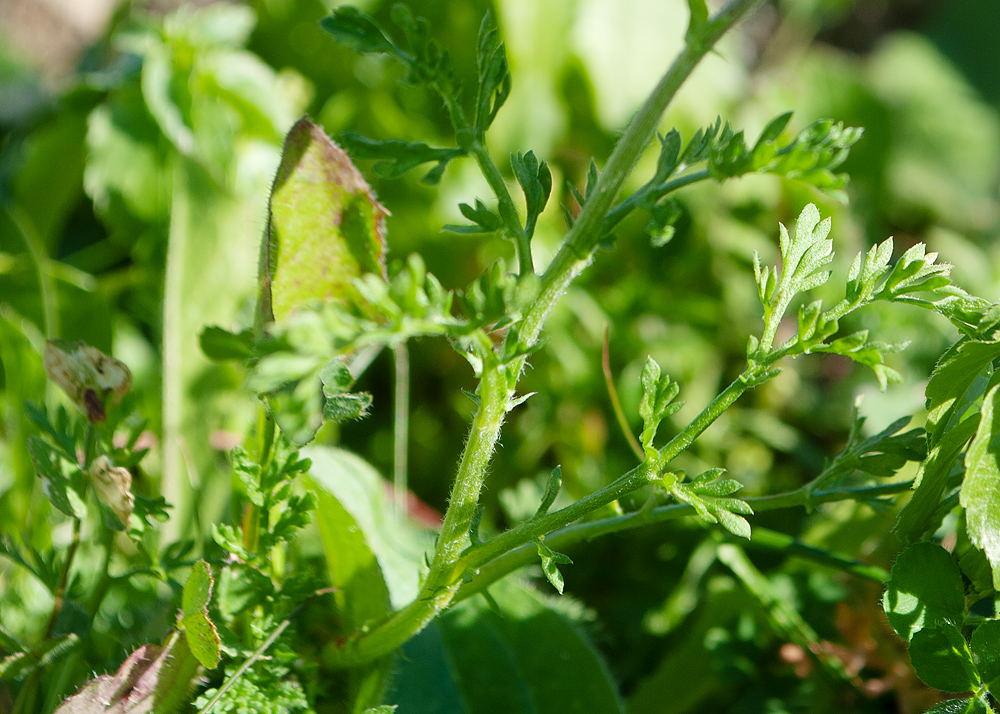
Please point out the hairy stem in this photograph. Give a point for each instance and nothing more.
(579, 532)
(498, 381)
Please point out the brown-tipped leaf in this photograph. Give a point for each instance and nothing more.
(325, 227)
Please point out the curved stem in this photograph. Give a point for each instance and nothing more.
(498, 381)
(580, 532)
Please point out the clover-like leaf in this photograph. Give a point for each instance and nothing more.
(924, 590)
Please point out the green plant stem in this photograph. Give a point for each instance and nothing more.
(46, 286)
(616, 404)
(617, 214)
(792, 547)
(578, 248)
(505, 205)
(493, 399)
(60, 593)
(401, 428)
(570, 535)
(498, 382)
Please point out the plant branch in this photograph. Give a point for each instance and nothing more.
(63, 579)
(499, 380)
(589, 530)
(505, 205)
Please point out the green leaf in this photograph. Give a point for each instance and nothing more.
(56, 485)
(221, 345)
(552, 487)
(395, 157)
(941, 658)
(953, 377)
(357, 524)
(550, 559)
(202, 638)
(980, 493)
(986, 649)
(918, 515)
(524, 658)
(494, 76)
(197, 589)
(18, 665)
(924, 590)
(974, 705)
(484, 220)
(356, 31)
(325, 227)
(658, 391)
(536, 182)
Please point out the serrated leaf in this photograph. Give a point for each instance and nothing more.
(941, 658)
(202, 638)
(197, 589)
(56, 485)
(395, 157)
(325, 227)
(221, 345)
(357, 31)
(953, 376)
(924, 590)
(980, 493)
(494, 77)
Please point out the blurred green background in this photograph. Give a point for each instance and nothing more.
(135, 157)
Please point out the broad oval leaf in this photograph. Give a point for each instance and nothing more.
(974, 705)
(522, 657)
(352, 495)
(941, 658)
(980, 494)
(325, 228)
(986, 648)
(925, 589)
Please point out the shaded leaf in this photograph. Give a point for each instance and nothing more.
(924, 590)
(197, 589)
(986, 648)
(524, 658)
(57, 486)
(221, 345)
(941, 658)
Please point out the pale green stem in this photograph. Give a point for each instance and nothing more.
(401, 428)
(496, 385)
(46, 286)
(173, 487)
(568, 536)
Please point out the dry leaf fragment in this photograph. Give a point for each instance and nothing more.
(89, 377)
(114, 487)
